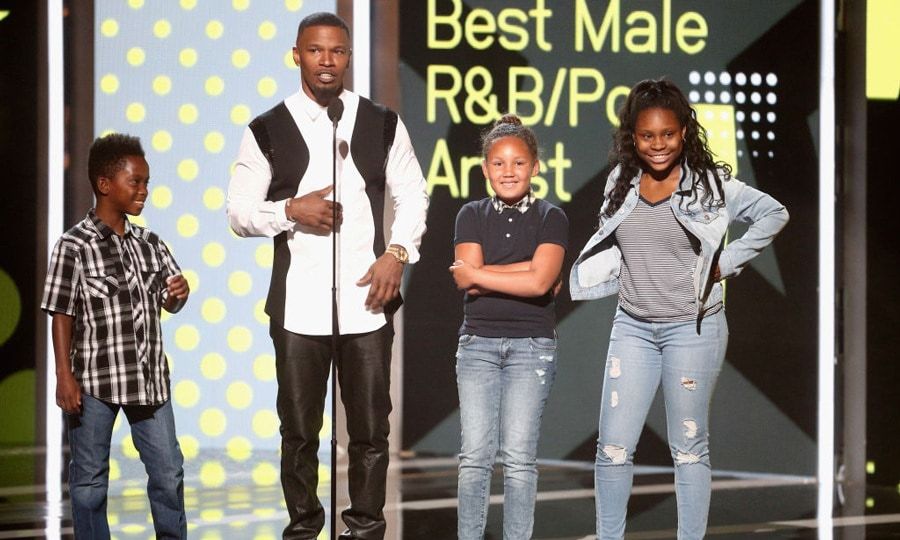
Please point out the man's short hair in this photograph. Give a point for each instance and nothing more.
(322, 18)
(107, 155)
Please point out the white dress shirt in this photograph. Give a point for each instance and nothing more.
(307, 307)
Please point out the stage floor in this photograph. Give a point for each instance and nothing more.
(228, 498)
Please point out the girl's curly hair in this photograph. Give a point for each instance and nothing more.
(696, 156)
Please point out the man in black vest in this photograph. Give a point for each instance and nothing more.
(281, 188)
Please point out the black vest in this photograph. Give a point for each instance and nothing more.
(281, 142)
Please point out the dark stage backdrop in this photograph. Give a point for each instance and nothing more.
(565, 67)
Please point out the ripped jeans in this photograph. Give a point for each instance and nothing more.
(503, 385)
(686, 358)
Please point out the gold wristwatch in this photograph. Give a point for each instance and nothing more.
(399, 252)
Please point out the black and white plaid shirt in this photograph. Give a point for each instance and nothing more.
(114, 287)
(522, 205)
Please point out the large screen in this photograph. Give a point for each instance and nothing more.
(751, 73)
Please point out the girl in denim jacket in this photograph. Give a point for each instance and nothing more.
(660, 246)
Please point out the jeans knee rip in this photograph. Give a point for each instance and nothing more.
(616, 454)
(615, 367)
(614, 399)
(541, 373)
(685, 458)
(688, 384)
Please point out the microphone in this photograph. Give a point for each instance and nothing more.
(335, 110)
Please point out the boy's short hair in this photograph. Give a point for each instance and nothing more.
(322, 18)
(107, 155)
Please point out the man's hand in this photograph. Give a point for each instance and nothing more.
(68, 393)
(384, 277)
(314, 212)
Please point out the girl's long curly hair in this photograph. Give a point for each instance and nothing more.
(696, 156)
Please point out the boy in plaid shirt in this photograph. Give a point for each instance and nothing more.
(105, 286)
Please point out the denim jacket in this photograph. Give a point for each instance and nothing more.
(595, 273)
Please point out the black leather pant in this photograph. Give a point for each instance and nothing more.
(303, 365)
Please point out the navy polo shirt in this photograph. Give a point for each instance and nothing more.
(509, 237)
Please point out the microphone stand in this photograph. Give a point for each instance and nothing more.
(335, 110)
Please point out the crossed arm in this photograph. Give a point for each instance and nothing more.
(527, 278)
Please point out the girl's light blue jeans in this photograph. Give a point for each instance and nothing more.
(503, 386)
(686, 357)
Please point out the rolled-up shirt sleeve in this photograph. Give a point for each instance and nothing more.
(249, 212)
(409, 191)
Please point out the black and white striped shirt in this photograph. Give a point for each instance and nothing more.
(114, 287)
(658, 261)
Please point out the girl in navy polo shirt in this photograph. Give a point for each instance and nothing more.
(509, 254)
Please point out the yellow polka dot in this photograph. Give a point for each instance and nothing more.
(213, 254)
(140, 221)
(162, 85)
(213, 310)
(324, 474)
(186, 393)
(240, 338)
(214, 142)
(239, 448)
(239, 395)
(209, 535)
(128, 448)
(213, 422)
(187, 113)
(212, 474)
(214, 29)
(214, 86)
(213, 514)
(133, 528)
(259, 313)
(192, 278)
(240, 5)
(190, 447)
(213, 366)
(161, 141)
(325, 431)
(188, 4)
(265, 423)
(161, 197)
(135, 56)
(289, 60)
(264, 254)
(293, 5)
(187, 337)
(135, 112)
(264, 367)
(115, 472)
(136, 4)
(187, 226)
(240, 114)
(109, 83)
(240, 283)
(162, 28)
(118, 423)
(240, 58)
(213, 198)
(187, 57)
(267, 30)
(265, 474)
(109, 28)
(267, 87)
(188, 169)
